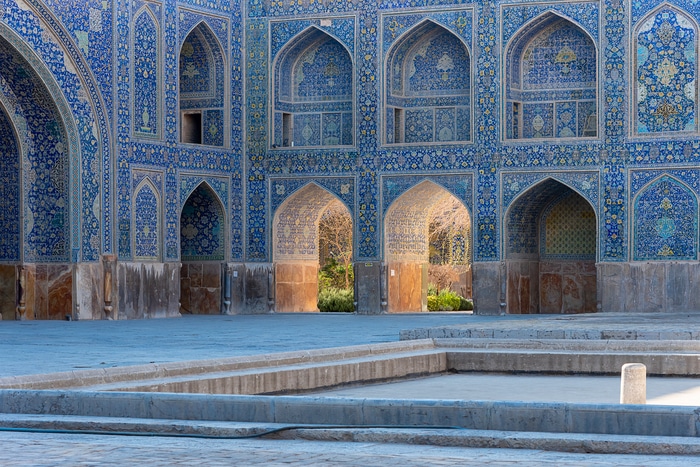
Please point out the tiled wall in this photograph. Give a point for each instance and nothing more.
(381, 96)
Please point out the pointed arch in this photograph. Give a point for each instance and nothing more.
(406, 221)
(41, 114)
(10, 189)
(428, 86)
(146, 90)
(551, 236)
(295, 223)
(412, 249)
(147, 221)
(202, 90)
(547, 98)
(313, 90)
(665, 71)
(203, 226)
(296, 246)
(665, 221)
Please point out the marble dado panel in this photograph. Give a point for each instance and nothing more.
(201, 288)
(8, 291)
(296, 286)
(48, 291)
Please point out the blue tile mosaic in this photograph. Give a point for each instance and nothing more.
(487, 99)
(665, 222)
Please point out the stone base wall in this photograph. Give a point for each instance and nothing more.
(201, 288)
(47, 291)
(147, 290)
(649, 286)
(369, 293)
(8, 291)
(407, 287)
(257, 290)
(523, 287)
(567, 287)
(489, 288)
(550, 287)
(296, 286)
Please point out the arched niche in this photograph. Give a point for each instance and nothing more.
(202, 251)
(146, 90)
(202, 90)
(551, 237)
(313, 92)
(39, 135)
(551, 81)
(10, 219)
(428, 88)
(296, 249)
(665, 72)
(147, 215)
(407, 246)
(665, 222)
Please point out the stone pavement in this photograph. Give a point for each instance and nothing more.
(27, 449)
(42, 347)
(34, 347)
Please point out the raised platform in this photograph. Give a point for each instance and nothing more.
(269, 389)
(598, 326)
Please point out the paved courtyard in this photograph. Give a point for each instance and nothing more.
(51, 346)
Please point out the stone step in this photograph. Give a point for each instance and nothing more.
(471, 438)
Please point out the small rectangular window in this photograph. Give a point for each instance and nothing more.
(516, 120)
(398, 126)
(192, 127)
(287, 130)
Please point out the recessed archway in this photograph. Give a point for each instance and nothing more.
(407, 246)
(313, 91)
(551, 238)
(296, 247)
(551, 76)
(428, 88)
(202, 246)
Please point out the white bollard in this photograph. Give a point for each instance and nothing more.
(633, 385)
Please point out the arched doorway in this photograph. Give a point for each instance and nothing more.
(408, 246)
(202, 247)
(37, 133)
(297, 249)
(551, 238)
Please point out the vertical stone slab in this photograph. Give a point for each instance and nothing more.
(296, 286)
(237, 288)
(367, 287)
(486, 280)
(89, 291)
(8, 291)
(259, 288)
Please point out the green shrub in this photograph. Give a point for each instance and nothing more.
(448, 300)
(433, 303)
(432, 289)
(465, 304)
(336, 300)
(332, 275)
